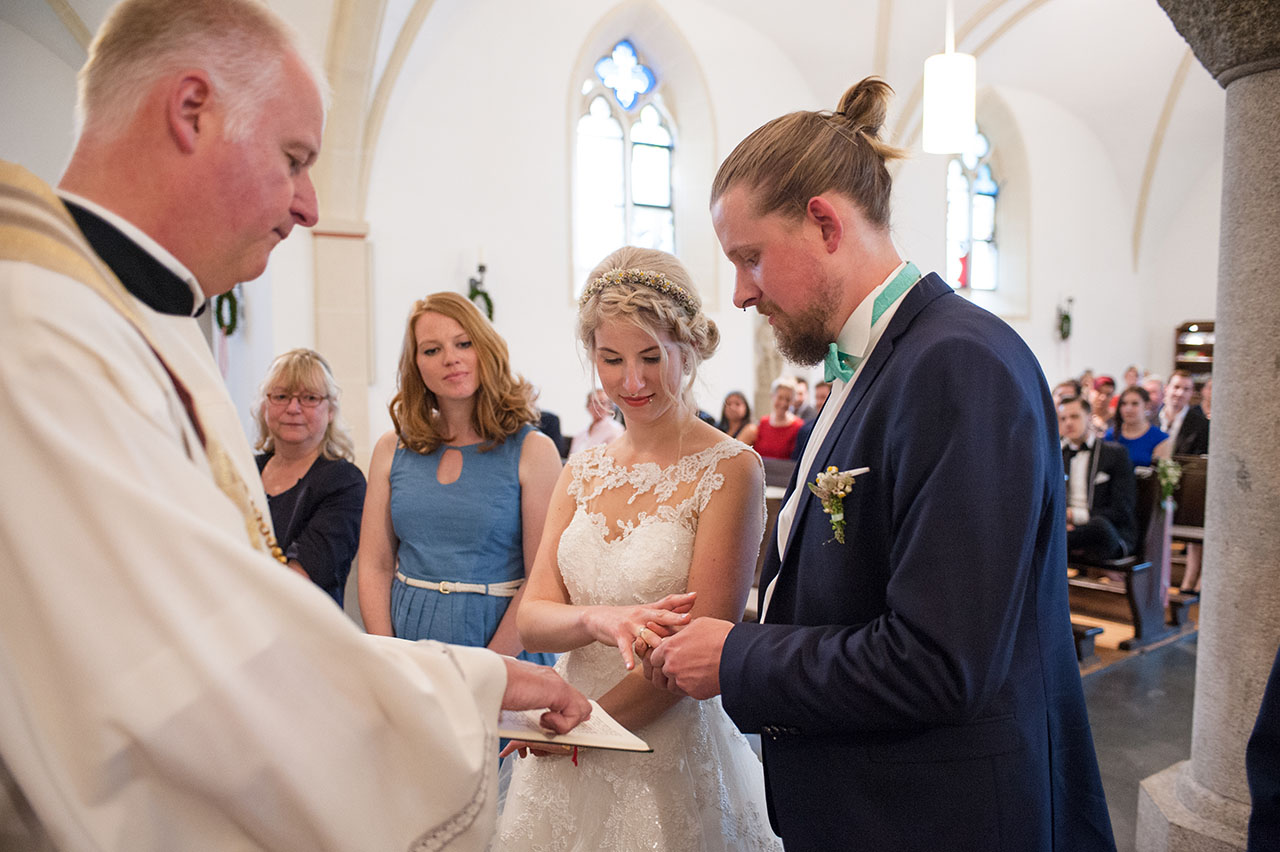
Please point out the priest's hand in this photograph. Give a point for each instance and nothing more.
(688, 663)
(530, 687)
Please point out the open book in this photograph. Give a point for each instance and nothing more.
(600, 731)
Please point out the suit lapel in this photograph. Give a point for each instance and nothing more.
(929, 288)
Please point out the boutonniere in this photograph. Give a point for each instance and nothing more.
(832, 486)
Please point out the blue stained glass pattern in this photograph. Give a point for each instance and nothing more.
(622, 72)
(984, 185)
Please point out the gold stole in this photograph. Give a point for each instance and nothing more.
(36, 228)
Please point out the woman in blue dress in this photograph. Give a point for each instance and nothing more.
(1144, 441)
(458, 490)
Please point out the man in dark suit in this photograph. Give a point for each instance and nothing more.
(1186, 424)
(1102, 493)
(913, 673)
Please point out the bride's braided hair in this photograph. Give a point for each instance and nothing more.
(654, 291)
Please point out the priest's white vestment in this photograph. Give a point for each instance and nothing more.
(164, 684)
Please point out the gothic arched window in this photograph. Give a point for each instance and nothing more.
(972, 255)
(624, 147)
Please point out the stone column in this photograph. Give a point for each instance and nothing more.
(768, 367)
(1203, 803)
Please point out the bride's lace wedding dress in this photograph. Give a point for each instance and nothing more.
(631, 541)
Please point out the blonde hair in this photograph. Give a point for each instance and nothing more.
(305, 369)
(503, 401)
(679, 316)
(803, 154)
(783, 382)
(240, 44)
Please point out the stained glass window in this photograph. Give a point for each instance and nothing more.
(972, 192)
(623, 162)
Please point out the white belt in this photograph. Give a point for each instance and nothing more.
(506, 589)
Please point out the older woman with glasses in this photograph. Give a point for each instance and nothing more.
(315, 492)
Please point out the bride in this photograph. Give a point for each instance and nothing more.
(672, 512)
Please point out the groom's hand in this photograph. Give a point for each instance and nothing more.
(688, 663)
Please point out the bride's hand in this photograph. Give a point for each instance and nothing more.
(536, 749)
(621, 625)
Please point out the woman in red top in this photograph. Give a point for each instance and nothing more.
(776, 433)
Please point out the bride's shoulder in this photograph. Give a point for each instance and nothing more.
(715, 446)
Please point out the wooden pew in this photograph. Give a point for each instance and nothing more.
(1138, 598)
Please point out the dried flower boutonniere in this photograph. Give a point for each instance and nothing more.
(832, 486)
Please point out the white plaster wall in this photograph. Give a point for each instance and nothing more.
(1179, 272)
(477, 161)
(1081, 224)
(37, 101)
(750, 81)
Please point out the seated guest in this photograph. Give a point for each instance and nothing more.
(1188, 429)
(1104, 389)
(314, 491)
(1154, 386)
(1086, 386)
(1206, 397)
(549, 425)
(1065, 389)
(801, 405)
(735, 418)
(1102, 493)
(1134, 432)
(1186, 424)
(821, 391)
(776, 432)
(603, 428)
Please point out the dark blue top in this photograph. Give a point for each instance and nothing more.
(1141, 447)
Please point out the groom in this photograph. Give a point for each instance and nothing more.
(913, 676)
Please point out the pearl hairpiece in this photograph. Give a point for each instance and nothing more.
(644, 278)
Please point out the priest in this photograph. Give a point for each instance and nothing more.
(166, 682)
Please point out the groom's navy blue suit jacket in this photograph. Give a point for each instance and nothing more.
(916, 687)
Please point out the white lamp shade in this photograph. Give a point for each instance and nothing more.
(950, 89)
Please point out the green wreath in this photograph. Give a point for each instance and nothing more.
(228, 304)
(478, 292)
(1064, 321)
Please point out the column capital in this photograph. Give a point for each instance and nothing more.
(1231, 38)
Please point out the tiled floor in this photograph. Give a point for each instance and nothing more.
(1140, 709)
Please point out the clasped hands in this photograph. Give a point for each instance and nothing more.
(678, 653)
(681, 657)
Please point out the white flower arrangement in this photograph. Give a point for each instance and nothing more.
(831, 487)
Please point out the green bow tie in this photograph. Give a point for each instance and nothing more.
(839, 365)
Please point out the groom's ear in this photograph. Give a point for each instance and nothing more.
(822, 213)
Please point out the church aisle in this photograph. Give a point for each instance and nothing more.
(1140, 710)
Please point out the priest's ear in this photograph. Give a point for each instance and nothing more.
(188, 112)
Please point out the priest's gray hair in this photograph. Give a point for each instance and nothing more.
(240, 44)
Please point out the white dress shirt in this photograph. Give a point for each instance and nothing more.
(856, 336)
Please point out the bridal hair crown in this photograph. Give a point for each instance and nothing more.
(644, 278)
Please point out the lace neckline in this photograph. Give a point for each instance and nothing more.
(644, 477)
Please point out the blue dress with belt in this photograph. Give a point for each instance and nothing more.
(468, 531)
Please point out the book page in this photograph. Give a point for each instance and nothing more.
(600, 731)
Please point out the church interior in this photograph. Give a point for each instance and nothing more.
(458, 155)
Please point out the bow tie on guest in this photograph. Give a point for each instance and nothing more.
(1068, 453)
(839, 365)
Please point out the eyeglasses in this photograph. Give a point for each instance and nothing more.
(306, 400)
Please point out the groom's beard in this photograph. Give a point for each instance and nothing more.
(804, 336)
